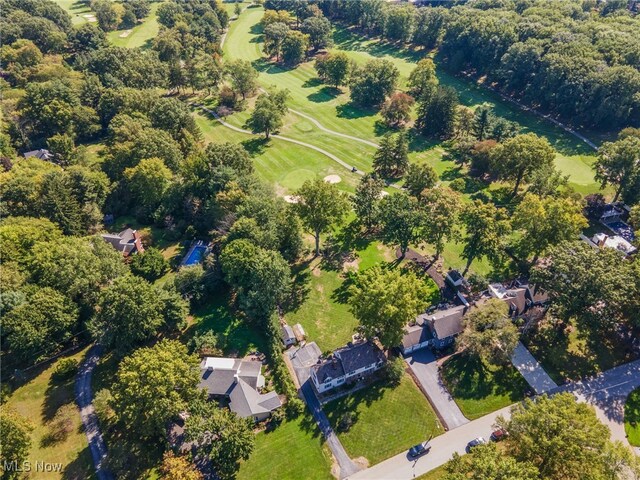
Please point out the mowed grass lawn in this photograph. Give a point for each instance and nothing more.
(38, 400)
(76, 9)
(632, 417)
(567, 355)
(387, 421)
(140, 35)
(479, 388)
(294, 450)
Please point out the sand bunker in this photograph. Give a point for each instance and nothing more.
(90, 17)
(290, 199)
(332, 179)
(383, 194)
(125, 34)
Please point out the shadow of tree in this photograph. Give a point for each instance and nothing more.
(299, 286)
(80, 468)
(325, 94)
(255, 146)
(58, 393)
(312, 82)
(351, 110)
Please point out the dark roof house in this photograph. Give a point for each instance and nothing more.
(42, 154)
(126, 242)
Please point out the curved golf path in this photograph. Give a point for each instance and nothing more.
(84, 398)
(332, 132)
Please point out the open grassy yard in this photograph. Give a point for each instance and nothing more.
(479, 388)
(295, 450)
(632, 417)
(78, 11)
(566, 355)
(387, 420)
(140, 35)
(39, 400)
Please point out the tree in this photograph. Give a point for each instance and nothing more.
(486, 228)
(371, 83)
(149, 264)
(396, 110)
(384, 301)
(16, 441)
(244, 78)
(437, 113)
(420, 177)
(130, 311)
(489, 333)
(400, 221)
(260, 277)
(107, 14)
(320, 206)
(18, 235)
(62, 146)
(518, 157)
(423, 81)
(487, 462)
(392, 156)
(294, 47)
(319, 31)
(223, 437)
(147, 184)
(619, 164)
(546, 222)
(232, 155)
(483, 121)
(366, 200)
(41, 325)
(398, 25)
(333, 68)
(176, 467)
(274, 36)
(267, 115)
(153, 385)
(563, 438)
(441, 207)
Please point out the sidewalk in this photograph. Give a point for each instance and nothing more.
(531, 370)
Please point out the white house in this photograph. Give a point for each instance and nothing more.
(350, 363)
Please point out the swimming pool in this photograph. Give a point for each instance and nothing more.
(195, 255)
(622, 229)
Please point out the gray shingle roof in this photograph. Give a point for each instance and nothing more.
(331, 368)
(246, 401)
(446, 323)
(217, 382)
(359, 355)
(415, 335)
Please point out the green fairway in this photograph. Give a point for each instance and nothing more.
(39, 400)
(479, 388)
(280, 163)
(140, 35)
(388, 420)
(632, 417)
(80, 12)
(294, 450)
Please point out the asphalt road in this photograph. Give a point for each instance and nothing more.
(606, 393)
(84, 397)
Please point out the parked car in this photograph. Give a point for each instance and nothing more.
(475, 442)
(420, 449)
(499, 434)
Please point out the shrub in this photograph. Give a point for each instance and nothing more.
(346, 421)
(459, 185)
(394, 370)
(206, 344)
(102, 405)
(65, 369)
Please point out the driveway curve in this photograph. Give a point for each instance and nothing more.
(84, 398)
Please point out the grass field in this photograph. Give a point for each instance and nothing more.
(38, 400)
(387, 420)
(141, 35)
(632, 418)
(77, 10)
(566, 355)
(293, 451)
(478, 388)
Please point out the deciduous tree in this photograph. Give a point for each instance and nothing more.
(485, 230)
(396, 110)
(373, 82)
(441, 207)
(333, 68)
(400, 221)
(419, 177)
(367, 199)
(244, 78)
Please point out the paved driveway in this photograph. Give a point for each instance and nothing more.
(425, 369)
(531, 370)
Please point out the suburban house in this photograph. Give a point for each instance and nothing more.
(126, 242)
(238, 382)
(42, 154)
(347, 364)
(288, 336)
(521, 297)
(437, 329)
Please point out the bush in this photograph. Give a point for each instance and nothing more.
(65, 369)
(102, 405)
(206, 344)
(346, 421)
(459, 185)
(227, 98)
(149, 265)
(394, 370)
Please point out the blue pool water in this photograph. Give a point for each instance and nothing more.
(195, 255)
(622, 229)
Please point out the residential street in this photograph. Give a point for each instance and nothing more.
(531, 370)
(84, 398)
(606, 392)
(423, 365)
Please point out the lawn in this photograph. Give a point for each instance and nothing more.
(140, 35)
(387, 420)
(292, 451)
(567, 355)
(479, 388)
(39, 399)
(76, 10)
(435, 474)
(632, 417)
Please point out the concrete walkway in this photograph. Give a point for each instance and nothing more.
(425, 369)
(84, 397)
(531, 370)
